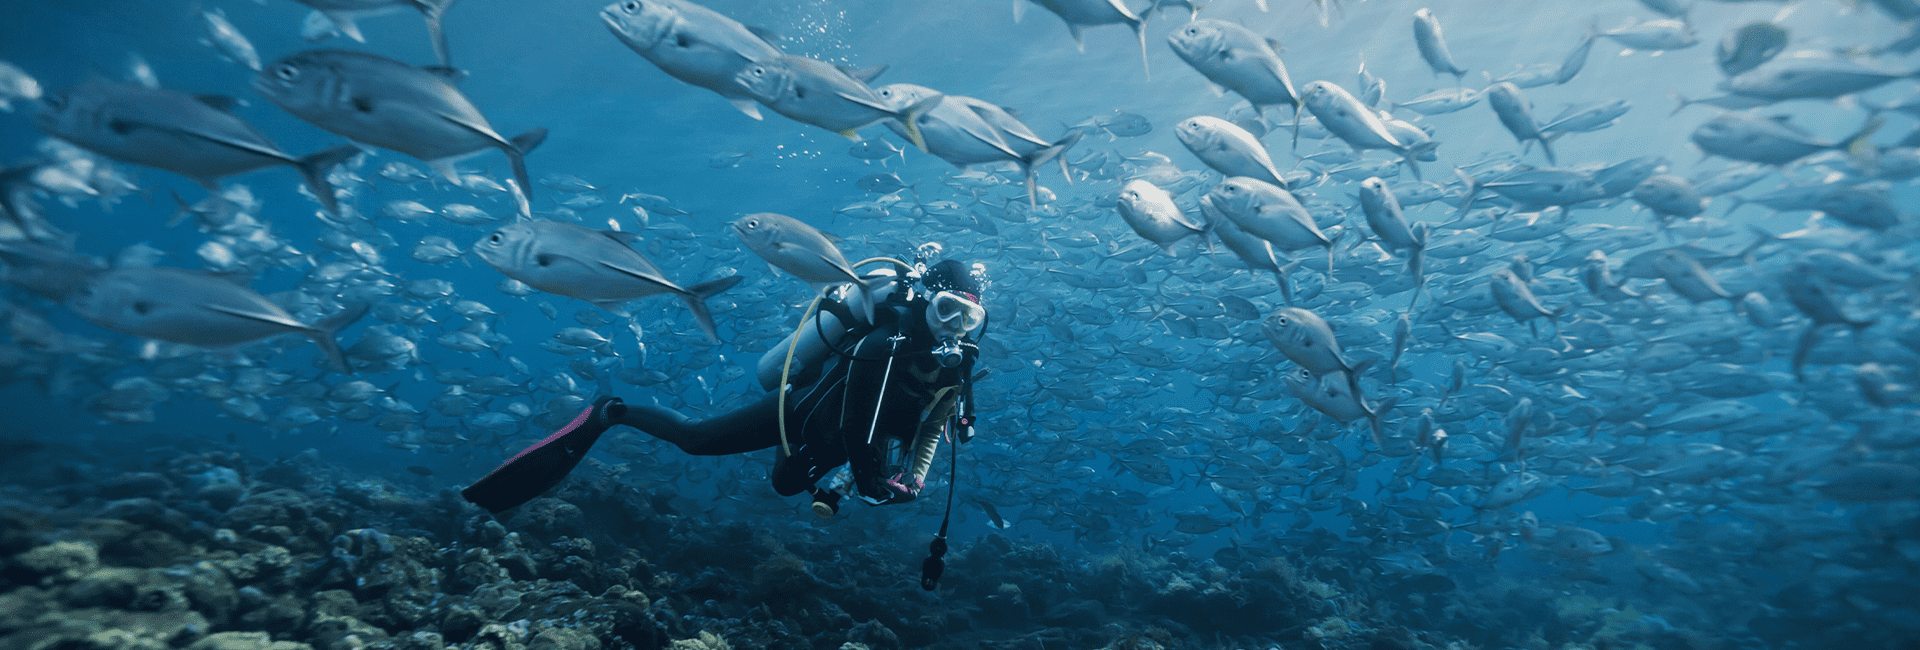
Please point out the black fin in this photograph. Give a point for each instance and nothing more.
(537, 469)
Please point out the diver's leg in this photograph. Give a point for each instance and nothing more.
(752, 427)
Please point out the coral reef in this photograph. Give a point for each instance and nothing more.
(209, 552)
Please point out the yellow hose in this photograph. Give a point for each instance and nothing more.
(793, 344)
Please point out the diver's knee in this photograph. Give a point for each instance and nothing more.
(789, 478)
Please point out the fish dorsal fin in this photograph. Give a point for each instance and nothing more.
(262, 317)
(1019, 10)
(865, 75)
(449, 73)
(765, 34)
(222, 103)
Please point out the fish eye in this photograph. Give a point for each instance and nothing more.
(55, 102)
(495, 238)
(287, 72)
(631, 6)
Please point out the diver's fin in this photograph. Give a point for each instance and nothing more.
(537, 469)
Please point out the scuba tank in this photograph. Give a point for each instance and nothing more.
(821, 333)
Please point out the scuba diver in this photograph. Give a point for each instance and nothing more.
(876, 397)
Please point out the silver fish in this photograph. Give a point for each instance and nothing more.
(1516, 113)
(190, 136)
(1443, 101)
(196, 308)
(1151, 212)
(793, 246)
(1749, 46)
(223, 36)
(1353, 122)
(1433, 46)
(386, 103)
(1239, 60)
(1769, 140)
(1517, 299)
(598, 266)
(694, 44)
(1080, 14)
(1654, 35)
(16, 85)
(345, 14)
(1228, 149)
(966, 131)
(1270, 213)
(814, 92)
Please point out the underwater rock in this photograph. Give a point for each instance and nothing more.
(59, 562)
(706, 641)
(245, 641)
(1006, 606)
(548, 518)
(873, 635)
(107, 629)
(135, 484)
(562, 638)
(280, 614)
(334, 626)
(378, 495)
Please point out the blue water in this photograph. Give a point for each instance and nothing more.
(624, 126)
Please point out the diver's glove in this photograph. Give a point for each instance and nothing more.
(537, 469)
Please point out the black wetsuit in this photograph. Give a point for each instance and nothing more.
(831, 420)
(837, 415)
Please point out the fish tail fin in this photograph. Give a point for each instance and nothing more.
(1296, 124)
(313, 169)
(696, 299)
(1680, 102)
(1056, 151)
(1140, 32)
(910, 119)
(1761, 238)
(1546, 146)
(1472, 192)
(868, 298)
(326, 329)
(1803, 349)
(1859, 148)
(435, 12)
(1286, 286)
(520, 145)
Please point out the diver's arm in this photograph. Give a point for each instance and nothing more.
(927, 443)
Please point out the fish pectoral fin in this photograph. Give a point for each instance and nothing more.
(222, 103)
(748, 106)
(643, 277)
(127, 126)
(343, 21)
(258, 317)
(481, 129)
(765, 34)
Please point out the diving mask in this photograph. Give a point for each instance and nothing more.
(951, 316)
